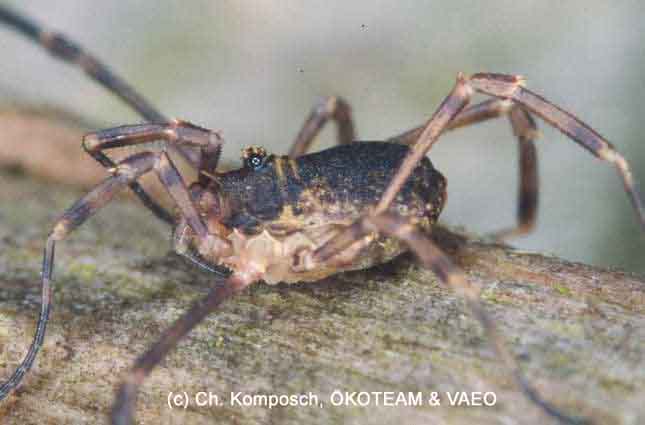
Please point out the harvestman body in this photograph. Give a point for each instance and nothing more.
(303, 216)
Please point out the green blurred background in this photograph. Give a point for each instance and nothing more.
(253, 69)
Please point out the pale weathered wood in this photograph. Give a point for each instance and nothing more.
(579, 330)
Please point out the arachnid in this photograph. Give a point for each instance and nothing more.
(303, 216)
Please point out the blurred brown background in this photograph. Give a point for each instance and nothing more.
(254, 69)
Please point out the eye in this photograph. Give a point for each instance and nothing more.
(254, 157)
(255, 161)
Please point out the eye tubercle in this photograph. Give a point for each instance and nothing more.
(254, 157)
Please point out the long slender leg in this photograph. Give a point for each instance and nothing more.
(452, 105)
(175, 132)
(333, 107)
(71, 219)
(525, 130)
(138, 190)
(528, 194)
(41, 326)
(380, 220)
(67, 50)
(483, 111)
(511, 87)
(126, 171)
(431, 256)
(123, 408)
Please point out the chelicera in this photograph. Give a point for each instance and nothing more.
(302, 217)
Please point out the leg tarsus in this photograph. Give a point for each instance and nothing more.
(41, 326)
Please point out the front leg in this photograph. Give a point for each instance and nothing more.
(127, 171)
(67, 50)
(180, 135)
(177, 133)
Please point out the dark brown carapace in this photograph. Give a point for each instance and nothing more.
(276, 207)
(303, 216)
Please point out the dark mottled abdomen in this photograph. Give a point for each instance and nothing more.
(335, 185)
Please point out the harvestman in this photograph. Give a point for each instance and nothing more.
(310, 222)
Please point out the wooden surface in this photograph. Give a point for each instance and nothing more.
(579, 331)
